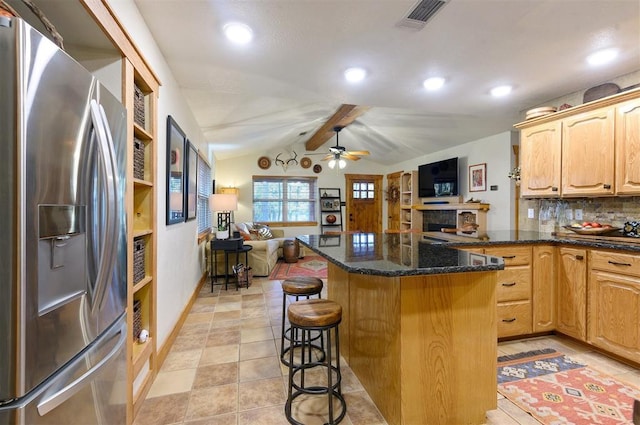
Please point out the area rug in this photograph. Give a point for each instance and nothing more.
(557, 390)
(309, 266)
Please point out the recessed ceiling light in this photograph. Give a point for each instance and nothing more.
(355, 75)
(500, 91)
(238, 33)
(433, 83)
(601, 57)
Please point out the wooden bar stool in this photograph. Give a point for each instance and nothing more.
(321, 316)
(298, 287)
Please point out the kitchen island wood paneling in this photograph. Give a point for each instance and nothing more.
(417, 335)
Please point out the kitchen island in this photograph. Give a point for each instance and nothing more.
(418, 326)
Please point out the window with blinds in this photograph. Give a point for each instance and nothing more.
(284, 200)
(204, 191)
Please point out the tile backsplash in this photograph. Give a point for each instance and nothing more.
(552, 214)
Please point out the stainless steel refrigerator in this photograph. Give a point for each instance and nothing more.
(63, 261)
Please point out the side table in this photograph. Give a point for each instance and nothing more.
(227, 251)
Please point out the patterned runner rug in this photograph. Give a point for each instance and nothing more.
(309, 266)
(557, 390)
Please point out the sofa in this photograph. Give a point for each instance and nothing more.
(264, 253)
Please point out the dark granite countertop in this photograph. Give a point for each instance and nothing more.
(409, 254)
(396, 255)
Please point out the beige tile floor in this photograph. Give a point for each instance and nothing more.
(223, 368)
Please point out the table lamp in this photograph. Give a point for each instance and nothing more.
(224, 203)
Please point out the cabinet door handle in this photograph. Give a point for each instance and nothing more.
(579, 257)
(508, 257)
(606, 186)
(513, 319)
(615, 263)
(554, 189)
(509, 284)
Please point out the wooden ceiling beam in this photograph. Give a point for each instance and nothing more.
(345, 115)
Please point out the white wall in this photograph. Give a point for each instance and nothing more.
(238, 172)
(179, 257)
(497, 153)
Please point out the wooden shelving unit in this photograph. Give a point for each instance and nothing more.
(330, 205)
(140, 96)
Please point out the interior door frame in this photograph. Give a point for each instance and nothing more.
(349, 179)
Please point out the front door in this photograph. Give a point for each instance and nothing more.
(364, 202)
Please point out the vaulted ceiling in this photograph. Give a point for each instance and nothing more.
(276, 92)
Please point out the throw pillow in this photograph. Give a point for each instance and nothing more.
(246, 236)
(263, 232)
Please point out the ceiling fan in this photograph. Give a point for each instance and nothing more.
(337, 154)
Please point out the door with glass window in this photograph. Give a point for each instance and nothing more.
(364, 202)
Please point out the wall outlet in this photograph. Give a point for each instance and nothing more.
(569, 214)
(578, 214)
(531, 213)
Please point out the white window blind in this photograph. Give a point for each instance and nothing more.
(284, 199)
(204, 191)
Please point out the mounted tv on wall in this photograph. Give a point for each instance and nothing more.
(438, 178)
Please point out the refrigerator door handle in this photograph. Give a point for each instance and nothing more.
(107, 259)
(51, 402)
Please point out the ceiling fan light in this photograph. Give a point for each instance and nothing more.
(342, 163)
(238, 33)
(355, 75)
(332, 164)
(433, 83)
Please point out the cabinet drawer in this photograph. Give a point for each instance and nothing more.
(514, 284)
(512, 255)
(616, 262)
(514, 318)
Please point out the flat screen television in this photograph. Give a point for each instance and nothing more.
(438, 178)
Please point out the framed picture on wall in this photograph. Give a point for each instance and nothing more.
(175, 172)
(191, 171)
(478, 178)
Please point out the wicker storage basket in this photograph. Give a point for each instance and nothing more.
(138, 107)
(138, 159)
(137, 318)
(138, 259)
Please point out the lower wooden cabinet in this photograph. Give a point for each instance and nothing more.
(614, 303)
(571, 293)
(513, 292)
(543, 290)
(514, 318)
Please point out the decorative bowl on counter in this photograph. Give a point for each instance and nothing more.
(592, 230)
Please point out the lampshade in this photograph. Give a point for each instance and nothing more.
(223, 202)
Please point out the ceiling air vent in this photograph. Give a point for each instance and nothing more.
(421, 13)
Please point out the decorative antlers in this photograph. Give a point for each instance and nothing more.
(285, 164)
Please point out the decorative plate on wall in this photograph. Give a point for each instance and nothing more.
(317, 168)
(305, 162)
(264, 162)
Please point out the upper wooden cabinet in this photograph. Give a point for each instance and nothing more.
(540, 149)
(628, 148)
(588, 150)
(588, 153)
